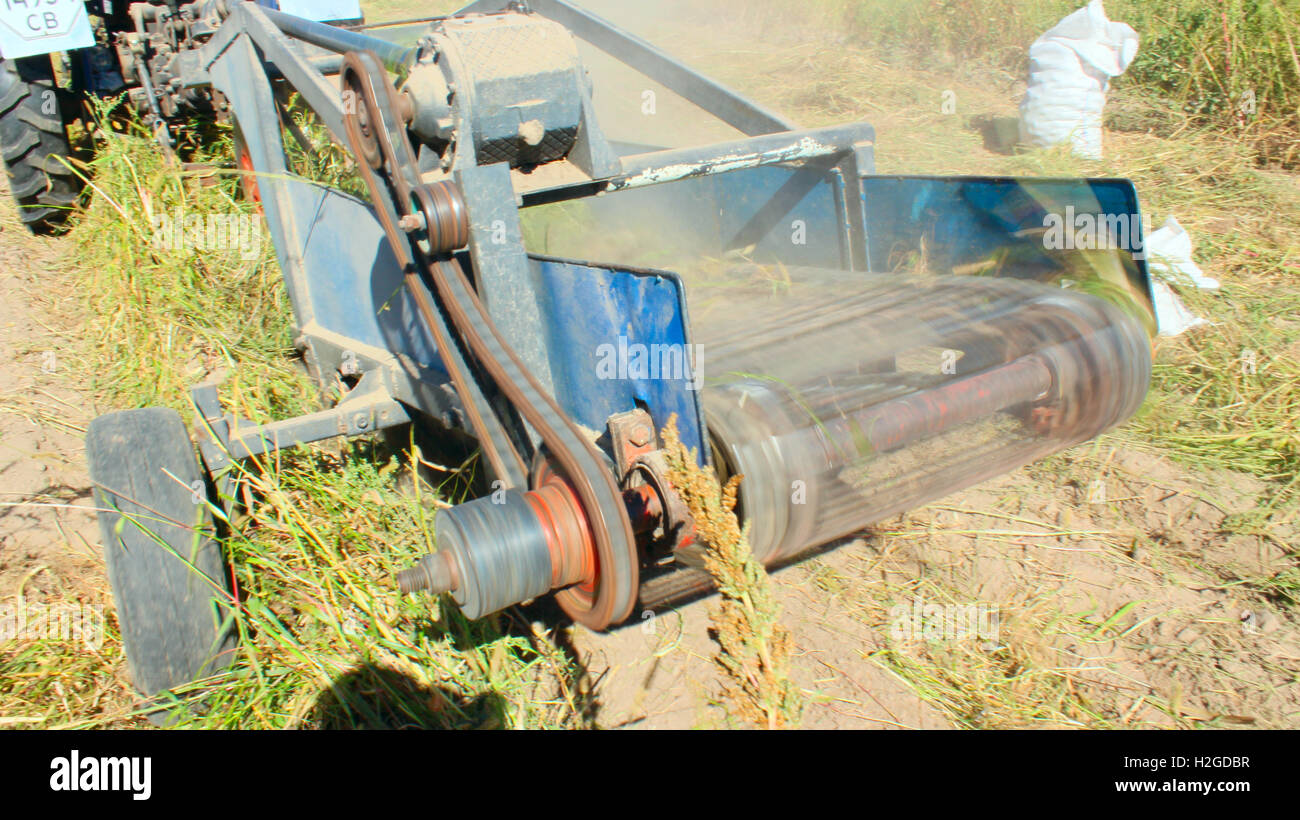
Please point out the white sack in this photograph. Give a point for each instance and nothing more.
(1169, 255)
(1172, 316)
(1070, 67)
(1169, 259)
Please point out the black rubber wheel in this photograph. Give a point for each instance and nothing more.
(166, 571)
(32, 135)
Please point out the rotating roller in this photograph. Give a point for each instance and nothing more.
(845, 409)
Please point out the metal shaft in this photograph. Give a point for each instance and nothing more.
(395, 58)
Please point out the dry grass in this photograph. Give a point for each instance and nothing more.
(753, 647)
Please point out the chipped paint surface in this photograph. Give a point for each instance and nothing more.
(804, 148)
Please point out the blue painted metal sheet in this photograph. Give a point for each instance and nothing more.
(618, 340)
(1045, 229)
(355, 287)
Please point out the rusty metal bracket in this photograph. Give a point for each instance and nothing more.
(224, 438)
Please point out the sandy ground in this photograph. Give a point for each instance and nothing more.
(1185, 649)
(48, 539)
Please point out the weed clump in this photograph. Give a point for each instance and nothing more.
(753, 647)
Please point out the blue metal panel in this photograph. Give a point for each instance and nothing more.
(974, 221)
(1003, 226)
(597, 316)
(591, 313)
(787, 214)
(355, 285)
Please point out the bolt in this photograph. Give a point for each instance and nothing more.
(361, 421)
(434, 573)
(410, 223)
(412, 580)
(639, 436)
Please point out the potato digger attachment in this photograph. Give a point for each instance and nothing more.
(856, 344)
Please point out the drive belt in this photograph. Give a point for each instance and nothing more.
(469, 343)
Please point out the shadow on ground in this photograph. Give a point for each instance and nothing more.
(372, 697)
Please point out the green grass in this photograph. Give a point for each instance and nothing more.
(326, 641)
(165, 317)
(377, 11)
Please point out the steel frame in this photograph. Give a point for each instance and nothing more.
(254, 46)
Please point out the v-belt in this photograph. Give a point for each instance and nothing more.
(378, 139)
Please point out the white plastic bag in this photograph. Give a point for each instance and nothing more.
(1169, 259)
(1070, 67)
(1172, 316)
(1169, 255)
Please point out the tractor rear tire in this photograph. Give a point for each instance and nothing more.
(168, 578)
(32, 136)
